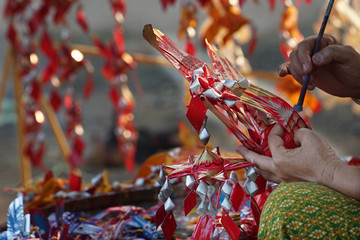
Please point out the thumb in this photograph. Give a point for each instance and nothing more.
(329, 54)
(302, 135)
(274, 139)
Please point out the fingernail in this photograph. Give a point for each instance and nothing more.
(305, 67)
(317, 58)
(281, 72)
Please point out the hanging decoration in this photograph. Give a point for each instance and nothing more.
(117, 63)
(188, 24)
(272, 3)
(225, 26)
(26, 19)
(226, 16)
(289, 33)
(344, 23)
(238, 104)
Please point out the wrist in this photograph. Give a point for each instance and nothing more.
(346, 179)
(329, 173)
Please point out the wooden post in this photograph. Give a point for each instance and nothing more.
(58, 132)
(25, 166)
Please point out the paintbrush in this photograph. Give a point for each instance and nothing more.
(299, 106)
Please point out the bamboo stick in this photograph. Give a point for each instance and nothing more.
(57, 130)
(138, 57)
(263, 75)
(159, 60)
(25, 166)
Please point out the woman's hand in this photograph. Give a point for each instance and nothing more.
(334, 68)
(312, 161)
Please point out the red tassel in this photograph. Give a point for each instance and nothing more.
(81, 19)
(14, 7)
(35, 92)
(261, 183)
(68, 101)
(160, 215)
(79, 145)
(272, 5)
(114, 97)
(165, 3)
(74, 182)
(190, 48)
(100, 46)
(255, 211)
(231, 228)
(189, 202)
(241, 2)
(119, 40)
(61, 9)
(129, 158)
(261, 199)
(253, 44)
(107, 71)
(89, 86)
(119, 6)
(49, 71)
(35, 155)
(11, 34)
(47, 177)
(196, 112)
(169, 225)
(47, 46)
(204, 228)
(75, 159)
(38, 18)
(237, 196)
(65, 232)
(55, 100)
(355, 161)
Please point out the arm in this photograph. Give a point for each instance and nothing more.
(312, 161)
(346, 179)
(334, 68)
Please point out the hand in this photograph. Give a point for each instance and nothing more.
(312, 161)
(334, 68)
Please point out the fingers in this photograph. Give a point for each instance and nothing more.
(283, 69)
(269, 176)
(301, 62)
(275, 140)
(301, 55)
(295, 66)
(332, 53)
(263, 162)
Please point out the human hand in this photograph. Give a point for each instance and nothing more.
(312, 161)
(334, 68)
